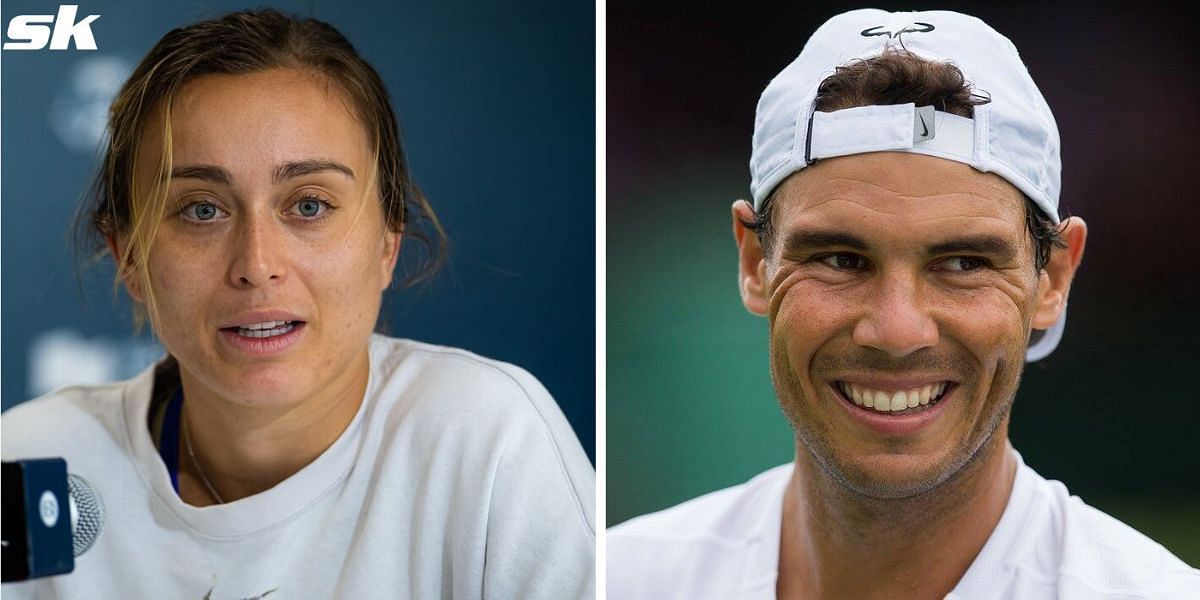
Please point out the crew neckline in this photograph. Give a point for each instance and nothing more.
(974, 583)
(253, 514)
(762, 555)
(1004, 540)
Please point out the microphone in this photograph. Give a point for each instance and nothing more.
(37, 540)
(87, 514)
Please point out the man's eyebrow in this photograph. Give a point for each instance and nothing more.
(210, 173)
(975, 244)
(800, 242)
(300, 168)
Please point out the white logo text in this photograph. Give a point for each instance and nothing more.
(27, 32)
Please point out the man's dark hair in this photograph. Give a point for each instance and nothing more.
(898, 77)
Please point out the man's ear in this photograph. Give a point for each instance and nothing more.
(752, 266)
(133, 283)
(1054, 283)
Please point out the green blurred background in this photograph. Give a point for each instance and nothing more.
(690, 407)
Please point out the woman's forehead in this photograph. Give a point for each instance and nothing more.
(251, 123)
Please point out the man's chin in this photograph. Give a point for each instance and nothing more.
(891, 476)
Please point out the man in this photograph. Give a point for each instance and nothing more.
(905, 245)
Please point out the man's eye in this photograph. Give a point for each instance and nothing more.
(201, 211)
(963, 263)
(844, 262)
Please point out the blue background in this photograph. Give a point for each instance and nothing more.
(496, 103)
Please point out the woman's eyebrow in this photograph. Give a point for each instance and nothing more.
(300, 168)
(283, 172)
(210, 173)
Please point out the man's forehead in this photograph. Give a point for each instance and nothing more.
(906, 187)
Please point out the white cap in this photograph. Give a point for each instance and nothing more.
(1014, 135)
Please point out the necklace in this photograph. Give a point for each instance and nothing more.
(187, 439)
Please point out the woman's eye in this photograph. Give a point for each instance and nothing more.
(963, 263)
(311, 207)
(201, 211)
(844, 262)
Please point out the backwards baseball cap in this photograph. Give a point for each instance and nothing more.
(1014, 135)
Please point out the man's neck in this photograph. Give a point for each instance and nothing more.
(244, 450)
(836, 543)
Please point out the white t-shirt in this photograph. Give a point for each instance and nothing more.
(1047, 545)
(458, 478)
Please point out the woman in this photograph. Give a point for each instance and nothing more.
(254, 195)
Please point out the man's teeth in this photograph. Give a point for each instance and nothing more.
(266, 329)
(892, 401)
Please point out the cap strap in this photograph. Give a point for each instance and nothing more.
(897, 127)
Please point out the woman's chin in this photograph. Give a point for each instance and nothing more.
(262, 385)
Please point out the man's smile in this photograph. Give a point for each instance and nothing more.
(894, 402)
(894, 407)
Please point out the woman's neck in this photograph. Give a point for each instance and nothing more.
(242, 449)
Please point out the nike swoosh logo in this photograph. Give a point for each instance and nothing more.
(924, 129)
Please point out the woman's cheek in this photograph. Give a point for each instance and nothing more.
(346, 281)
(167, 270)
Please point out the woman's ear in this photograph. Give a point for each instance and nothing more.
(128, 275)
(752, 265)
(391, 254)
(1054, 283)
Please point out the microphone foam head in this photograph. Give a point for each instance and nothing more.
(87, 513)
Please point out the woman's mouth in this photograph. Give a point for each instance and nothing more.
(900, 402)
(265, 329)
(264, 338)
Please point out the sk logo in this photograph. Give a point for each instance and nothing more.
(32, 32)
(910, 29)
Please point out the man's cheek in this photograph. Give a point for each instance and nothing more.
(980, 314)
(810, 312)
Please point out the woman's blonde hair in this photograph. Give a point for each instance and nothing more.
(239, 43)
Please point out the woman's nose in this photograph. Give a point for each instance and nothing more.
(257, 254)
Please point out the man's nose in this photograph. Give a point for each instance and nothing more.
(896, 320)
(258, 256)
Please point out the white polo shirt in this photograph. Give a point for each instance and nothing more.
(1048, 545)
